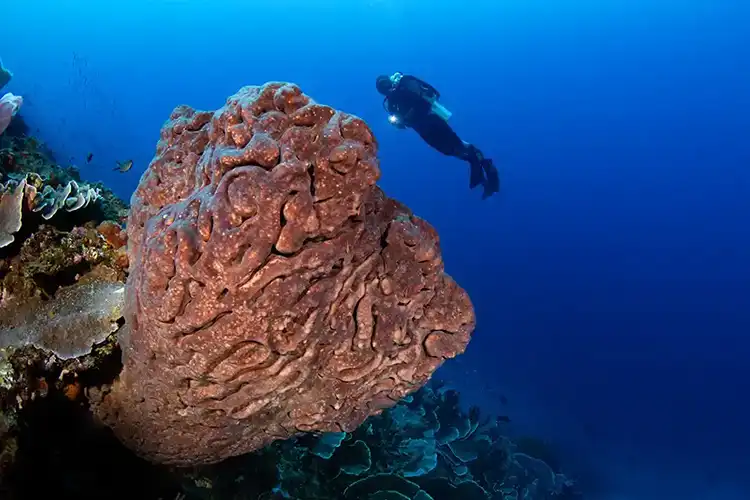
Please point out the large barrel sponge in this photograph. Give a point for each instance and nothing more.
(274, 289)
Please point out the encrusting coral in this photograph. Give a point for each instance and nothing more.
(273, 288)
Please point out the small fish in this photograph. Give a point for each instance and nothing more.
(89, 157)
(503, 418)
(124, 166)
(503, 400)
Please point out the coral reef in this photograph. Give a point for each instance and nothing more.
(34, 189)
(61, 282)
(344, 289)
(60, 297)
(50, 258)
(273, 288)
(52, 448)
(48, 191)
(21, 154)
(47, 201)
(425, 448)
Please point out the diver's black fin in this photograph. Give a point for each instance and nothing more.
(476, 176)
(492, 185)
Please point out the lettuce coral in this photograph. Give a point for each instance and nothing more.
(39, 197)
(77, 317)
(70, 197)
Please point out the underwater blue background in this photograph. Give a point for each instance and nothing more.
(611, 275)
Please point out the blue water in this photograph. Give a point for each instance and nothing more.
(611, 276)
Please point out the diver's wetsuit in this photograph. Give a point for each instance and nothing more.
(410, 102)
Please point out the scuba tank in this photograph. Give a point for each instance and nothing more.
(441, 110)
(436, 108)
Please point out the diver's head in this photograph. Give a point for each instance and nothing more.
(384, 84)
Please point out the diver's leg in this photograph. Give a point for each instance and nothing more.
(437, 133)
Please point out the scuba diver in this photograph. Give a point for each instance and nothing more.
(413, 103)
